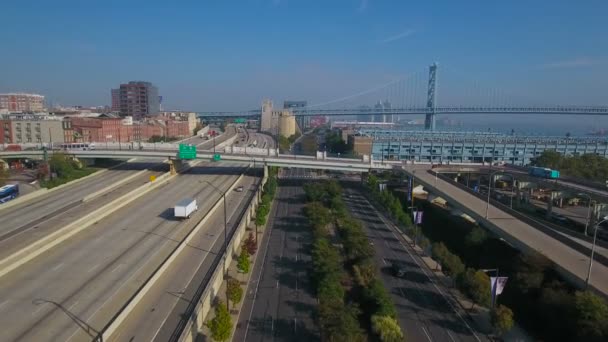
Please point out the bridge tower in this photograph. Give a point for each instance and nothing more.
(429, 121)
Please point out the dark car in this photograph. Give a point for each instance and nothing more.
(398, 270)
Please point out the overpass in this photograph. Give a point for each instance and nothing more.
(308, 162)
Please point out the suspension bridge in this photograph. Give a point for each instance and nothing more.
(413, 95)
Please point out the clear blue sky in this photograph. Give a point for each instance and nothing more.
(229, 55)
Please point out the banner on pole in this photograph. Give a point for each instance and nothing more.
(409, 188)
(497, 286)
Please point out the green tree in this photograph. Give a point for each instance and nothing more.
(220, 326)
(243, 262)
(592, 312)
(439, 252)
(234, 290)
(424, 242)
(3, 175)
(339, 323)
(476, 285)
(476, 237)
(378, 301)
(452, 265)
(502, 319)
(364, 272)
(387, 328)
(250, 244)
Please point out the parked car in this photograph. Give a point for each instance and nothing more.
(398, 269)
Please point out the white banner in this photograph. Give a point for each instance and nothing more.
(498, 285)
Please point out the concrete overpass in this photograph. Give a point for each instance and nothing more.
(307, 162)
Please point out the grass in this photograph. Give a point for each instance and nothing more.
(75, 174)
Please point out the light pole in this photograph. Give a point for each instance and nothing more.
(490, 188)
(588, 210)
(597, 227)
(225, 239)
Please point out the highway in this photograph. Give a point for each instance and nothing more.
(425, 310)
(45, 219)
(520, 232)
(157, 316)
(73, 290)
(279, 302)
(251, 138)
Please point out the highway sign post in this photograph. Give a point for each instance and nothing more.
(187, 151)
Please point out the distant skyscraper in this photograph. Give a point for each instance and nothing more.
(138, 99)
(116, 100)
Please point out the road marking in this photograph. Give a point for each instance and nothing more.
(3, 303)
(40, 306)
(277, 284)
(389, 224)
(92, 268)
(116, 268)
(57, 267)
(450, 335)
(73, 305)
(427, 334)
(384, 261)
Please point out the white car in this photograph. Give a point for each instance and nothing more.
(239, 189)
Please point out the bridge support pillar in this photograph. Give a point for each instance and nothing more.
(174, 166)
(429, 120)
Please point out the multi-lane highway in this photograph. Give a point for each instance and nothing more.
(31, 220)
(206, 144)
(426, 312)
(279, 304)
(158, 315)
(251, 138)
(71, 291)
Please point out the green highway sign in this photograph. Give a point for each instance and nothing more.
(217, 157)
(240, 121)
(187, 151)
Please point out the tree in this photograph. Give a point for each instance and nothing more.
(250, 244)
(243, 262)
(502, 319)
(220, 326)
(476, 236)
(364, 273)
(475, 285)
(452, 265)
(592, 315)
(387, 328)
(339, 323)
(234, 290)
(378, 301)
(439, 251)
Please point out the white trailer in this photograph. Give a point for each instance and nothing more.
(185, 208)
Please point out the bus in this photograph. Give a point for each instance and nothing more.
(8, 192)
(543, 172)
(78, 146)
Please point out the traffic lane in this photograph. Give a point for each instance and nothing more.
(30, 211)
(94, 272)
(569, 259)
(282, 305)
(415, 292)
(38, 229)
(169, 297)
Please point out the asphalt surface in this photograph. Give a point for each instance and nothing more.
(564, 256)
(56, 202)
(279, 304)
(72, 291)
(424, 309)
(158, 315)
(24, 234)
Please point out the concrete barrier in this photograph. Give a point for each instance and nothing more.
(107, 333)
(35, 249)
(205, 303)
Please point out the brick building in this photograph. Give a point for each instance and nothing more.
(21, 102)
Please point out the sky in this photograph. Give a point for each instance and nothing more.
(230, 55)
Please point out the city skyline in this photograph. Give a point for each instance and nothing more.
(207, 57)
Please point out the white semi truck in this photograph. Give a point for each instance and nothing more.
(184, 208)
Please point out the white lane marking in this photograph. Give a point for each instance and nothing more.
(427, 334)
(117, 268)
(57, 267)
(384, 261)
(73, 305)
(450, 335)
(424, 271)
(277, 284)
(92, 268)
(3, 303)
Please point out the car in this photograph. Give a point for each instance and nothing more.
(239, 189)
(398, 270)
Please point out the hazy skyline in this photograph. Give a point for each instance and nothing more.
(229, 55)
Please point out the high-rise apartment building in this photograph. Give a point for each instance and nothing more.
(138, 99)
(21, 102)
(116, 100)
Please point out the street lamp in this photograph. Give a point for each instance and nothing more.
(225, 238)
(490, 188)
(588, 210)
(597, 227)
